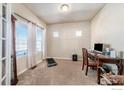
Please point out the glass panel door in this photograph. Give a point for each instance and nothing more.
(4, 45)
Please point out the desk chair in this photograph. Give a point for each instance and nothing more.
(88, 63)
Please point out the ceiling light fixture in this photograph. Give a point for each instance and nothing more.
(64, 7)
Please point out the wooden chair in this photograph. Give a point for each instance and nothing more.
(87, 62)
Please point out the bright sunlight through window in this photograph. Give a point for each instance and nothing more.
(78, 33)
(55, 34)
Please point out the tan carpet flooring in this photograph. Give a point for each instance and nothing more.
(65, 73)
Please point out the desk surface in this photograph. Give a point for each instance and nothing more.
(101, 56)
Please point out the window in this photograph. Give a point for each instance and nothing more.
(78, 33)
(39, 40)
(21, 38)
(56, 34)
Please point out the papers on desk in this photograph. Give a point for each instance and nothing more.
(113, 53)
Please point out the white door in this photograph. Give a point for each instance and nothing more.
(5, 43)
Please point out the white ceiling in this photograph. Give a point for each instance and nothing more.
(50, 13)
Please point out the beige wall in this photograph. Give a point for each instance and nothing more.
(67, 43)
(108, 26)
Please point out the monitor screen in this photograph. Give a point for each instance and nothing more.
(98, 47)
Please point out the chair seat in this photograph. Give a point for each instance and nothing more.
(92, 63)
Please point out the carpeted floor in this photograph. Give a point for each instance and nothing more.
(65, 73)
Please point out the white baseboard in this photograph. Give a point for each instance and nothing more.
(60, 58)
(63, 58)
(22, 72)
(39, 61)
(44, 59)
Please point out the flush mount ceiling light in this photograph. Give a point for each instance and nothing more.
(64, 7)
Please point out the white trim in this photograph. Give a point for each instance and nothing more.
(44, 59)
(22, 71)
(39, 61)
(0, 42)
(8, 47)
(44, 33)
(80, 59)
(8, 44)
(2, 38)
(3, 58)
(44, 43)
(3, 19)
(3, 78)
(63, 58)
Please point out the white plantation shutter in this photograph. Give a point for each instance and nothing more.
(31, 45)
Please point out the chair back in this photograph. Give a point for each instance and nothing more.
(85, 56)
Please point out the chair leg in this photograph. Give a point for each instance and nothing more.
(83, 66)
(86, 70)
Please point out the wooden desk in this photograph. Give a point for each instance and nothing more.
(100, 59)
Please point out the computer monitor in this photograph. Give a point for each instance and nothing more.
(98, 47)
